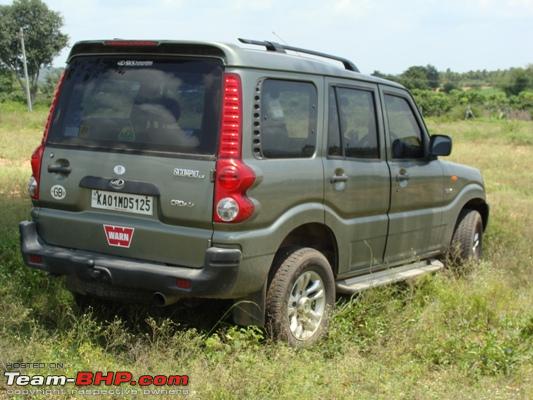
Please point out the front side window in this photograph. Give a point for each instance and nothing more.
(288, 119)
(405, 133)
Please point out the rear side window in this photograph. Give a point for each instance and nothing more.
(352, 127)
(405, 134)
(161, 105)
(288, 119)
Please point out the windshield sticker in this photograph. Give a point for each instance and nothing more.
(84, 130)
(134, 63)
(126, 134)
(71, 131)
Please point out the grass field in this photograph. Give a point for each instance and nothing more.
(453, 335)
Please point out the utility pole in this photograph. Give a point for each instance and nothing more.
(24, 61)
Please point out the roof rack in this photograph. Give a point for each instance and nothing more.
(280, 48)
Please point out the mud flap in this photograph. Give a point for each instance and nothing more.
(250, 310)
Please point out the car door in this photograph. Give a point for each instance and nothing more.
(357, 176)
(416, 222)
(130, 153)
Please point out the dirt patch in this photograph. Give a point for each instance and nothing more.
(5, 162)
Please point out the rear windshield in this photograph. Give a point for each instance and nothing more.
(139, 103)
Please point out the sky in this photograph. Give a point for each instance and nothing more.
(384, 35)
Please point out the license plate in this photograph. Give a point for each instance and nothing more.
(125, 202)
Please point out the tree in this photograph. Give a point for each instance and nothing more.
(42, 35)
(6, 83)
(415, 77)
(449, 86)
(420, 77)
(433, 76)
(517, 82)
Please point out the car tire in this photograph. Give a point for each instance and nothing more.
(467, 240)
(300, 297)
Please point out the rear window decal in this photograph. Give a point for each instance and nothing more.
(134, 63)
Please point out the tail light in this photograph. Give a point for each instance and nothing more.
(233, 177)
(37, 156)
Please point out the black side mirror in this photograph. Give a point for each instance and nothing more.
(440, 145)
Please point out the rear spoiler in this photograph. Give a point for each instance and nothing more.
(119, 46)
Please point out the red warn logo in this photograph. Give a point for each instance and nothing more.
(118, 236)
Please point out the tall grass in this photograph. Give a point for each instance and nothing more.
(458, 334)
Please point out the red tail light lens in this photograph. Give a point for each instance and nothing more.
(233, 177)
(183, 283)
(230, 135)
(37, 156)
(35, 259)
(36, 160)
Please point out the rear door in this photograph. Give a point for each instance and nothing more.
(357, 176)
(416, 223)
(129, 158)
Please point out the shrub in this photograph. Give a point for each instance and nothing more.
(432, 103)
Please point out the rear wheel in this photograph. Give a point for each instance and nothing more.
(300, 298)
(467, 240)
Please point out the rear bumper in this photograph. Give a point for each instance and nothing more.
(215, 279)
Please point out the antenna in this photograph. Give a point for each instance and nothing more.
(283, 40)
(279, 37)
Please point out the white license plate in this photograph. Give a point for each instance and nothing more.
(125, 202)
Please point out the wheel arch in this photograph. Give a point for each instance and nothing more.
(314, 235)
(481, 206)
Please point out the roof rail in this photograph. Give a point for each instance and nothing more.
(280, 48)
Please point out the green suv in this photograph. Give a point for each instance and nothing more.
(173, 169)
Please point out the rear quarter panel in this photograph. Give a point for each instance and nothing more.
(287, 193)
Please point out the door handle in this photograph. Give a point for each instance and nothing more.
(60, 169)
(402, 177)
(338, 178)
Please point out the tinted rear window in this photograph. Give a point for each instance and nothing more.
(147, 104)
(288, 123)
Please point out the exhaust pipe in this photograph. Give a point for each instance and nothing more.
(162, 300)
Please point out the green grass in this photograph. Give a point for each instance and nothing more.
(466, 334)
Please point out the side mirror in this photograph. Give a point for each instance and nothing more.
(440, 145)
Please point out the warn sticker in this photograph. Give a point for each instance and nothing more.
(118, 236)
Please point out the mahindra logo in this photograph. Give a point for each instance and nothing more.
(118, 236)
(117, 183)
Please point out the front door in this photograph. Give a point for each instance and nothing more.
(416, 223)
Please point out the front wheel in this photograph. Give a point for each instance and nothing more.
(300, 298)
(467, 240)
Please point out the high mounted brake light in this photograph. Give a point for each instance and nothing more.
(131, 43)
(37, 156)
(233, 177)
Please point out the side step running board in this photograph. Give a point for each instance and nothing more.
(385, 277)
